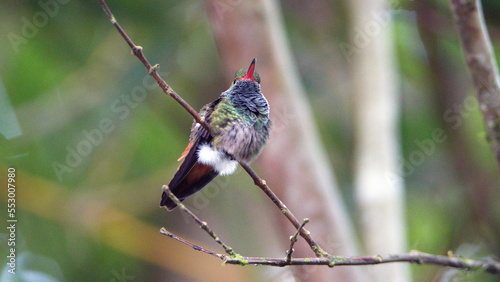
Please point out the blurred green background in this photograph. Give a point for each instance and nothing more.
(69, 84)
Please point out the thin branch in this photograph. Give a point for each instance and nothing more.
(478, 53)
(137, 51)
(261, 183)
(194, 246)
(293, 239)
(489, 266)
(203, 225)
(152, 70)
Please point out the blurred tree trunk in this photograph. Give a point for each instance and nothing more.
(450, 83)
(294, 163)
(378, 183)
(482, 65)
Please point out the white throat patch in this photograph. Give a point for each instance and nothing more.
(219, 161)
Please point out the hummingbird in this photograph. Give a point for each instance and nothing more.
(239, 129)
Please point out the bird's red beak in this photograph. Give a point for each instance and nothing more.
(250, 71)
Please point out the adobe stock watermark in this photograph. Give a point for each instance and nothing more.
(280, 121)
(364, 35)
(426, 147)
(31, 26)
(330, 245)
(201, 199)
(11, 220)
(223, 6)
(121, 277)
(91, 138)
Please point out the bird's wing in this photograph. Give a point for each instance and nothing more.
(189, 158)
(191, 176)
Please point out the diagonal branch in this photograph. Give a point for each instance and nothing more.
(194, 246)
(416, 257)
(261, 183)
(293, 239)
(488, 266)
(203, 225)
(152, 70)
(137, 51)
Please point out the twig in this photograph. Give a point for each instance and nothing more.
(261, 183)
(194, 246)
(488, 266)
(152, 70)
(137, 51)
(480, 59)
(203, 225)
(293, 239)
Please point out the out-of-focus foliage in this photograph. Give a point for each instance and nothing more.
(93, 139)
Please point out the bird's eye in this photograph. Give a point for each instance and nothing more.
(234, 82)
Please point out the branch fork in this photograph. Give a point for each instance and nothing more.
(322, 257)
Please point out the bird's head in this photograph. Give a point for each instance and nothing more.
(247, 74)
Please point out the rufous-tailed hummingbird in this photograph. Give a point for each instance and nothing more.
(239, 128)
